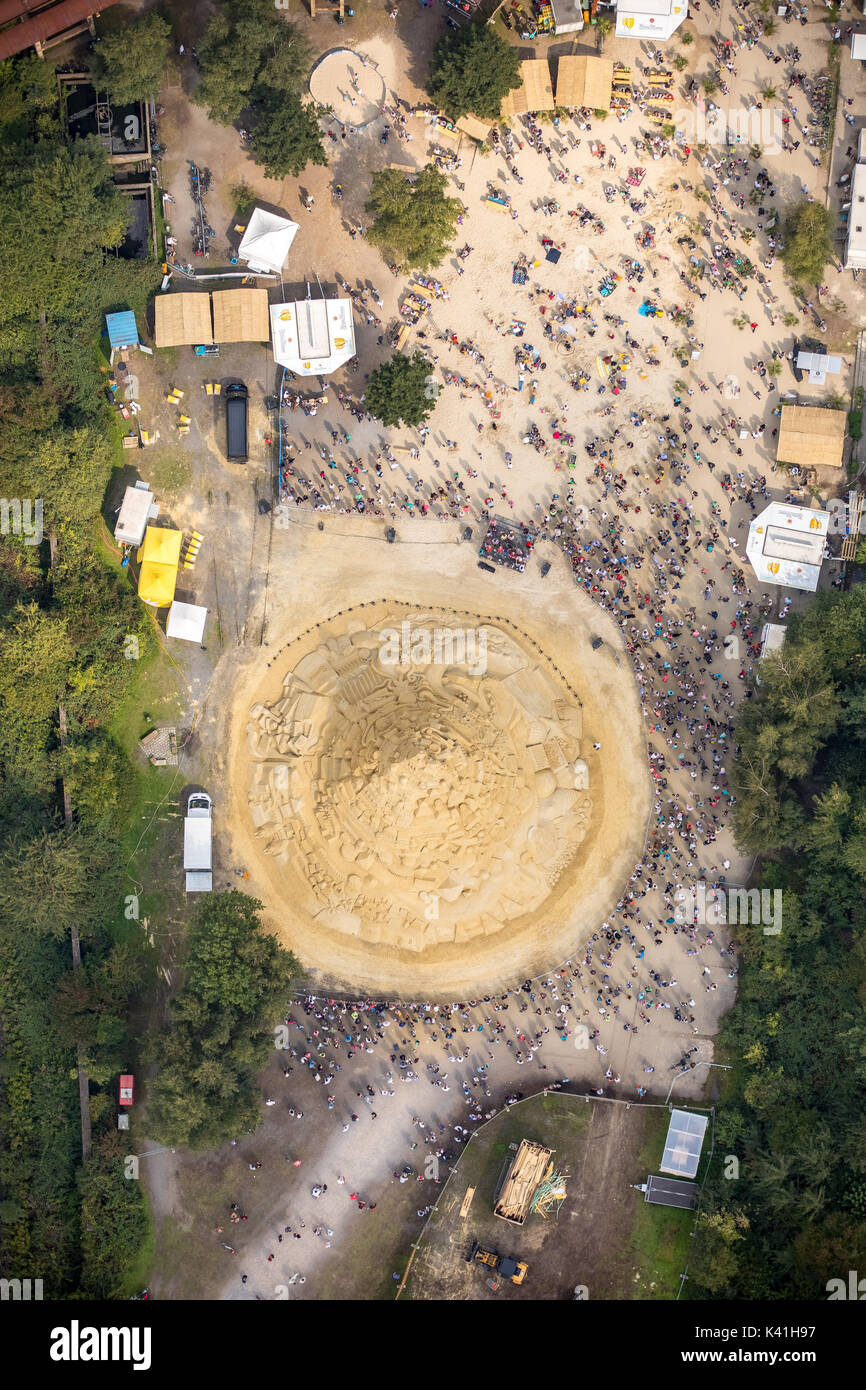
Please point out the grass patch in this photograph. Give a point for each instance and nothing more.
(137, 1276)
(154, 691)
(660, 1238)
(168, 471)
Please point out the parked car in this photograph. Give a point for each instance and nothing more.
(236, 397)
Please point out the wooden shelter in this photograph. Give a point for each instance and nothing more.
(182, 319)
(475, 129)
(535, 92)
(812, 436)
(584, 81)
(241, 316)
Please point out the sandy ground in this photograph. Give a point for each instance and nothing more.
(292, 571)
(354, 90)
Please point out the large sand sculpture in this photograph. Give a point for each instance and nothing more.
(419, 783)
(424, 811)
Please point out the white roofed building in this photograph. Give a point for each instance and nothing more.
(786, 545)
(313, 337)
(649, 19)
(266, 241)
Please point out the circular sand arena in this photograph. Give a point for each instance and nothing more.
(419, 801)
(350, 85)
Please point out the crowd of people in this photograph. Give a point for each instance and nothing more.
(649, 520)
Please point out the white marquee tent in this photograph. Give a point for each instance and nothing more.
(186, 621)
(819, 365)
(266, 242)
(684, 1143)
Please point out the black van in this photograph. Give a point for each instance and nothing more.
(236, 422)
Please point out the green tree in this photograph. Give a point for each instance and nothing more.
(714, 1259)
(95, 773)
(401, 391)
(808, 245)
(243, 39)
(413, 221)
(28, 100)
(471, 71)
(55, 880)
(128, 64)
(287, 67)
(286, 136)
(603, 26)
(238, 982)
(113, 1219)
(60, 215)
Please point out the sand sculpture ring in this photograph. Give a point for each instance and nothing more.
(419, 784)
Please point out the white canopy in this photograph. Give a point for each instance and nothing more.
(818, 364)
(786, 545)
(858, 46)
(684, 1143)
(186, 620)
(313, 337)
(265, 243)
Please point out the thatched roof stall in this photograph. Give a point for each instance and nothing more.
(535, 92)
(475, 129)
(584, 81)
(182, 319)
(811, 436)
(241, 316)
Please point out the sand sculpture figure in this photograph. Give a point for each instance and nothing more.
(419, 785)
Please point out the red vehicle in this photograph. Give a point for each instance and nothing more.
(127, 1090)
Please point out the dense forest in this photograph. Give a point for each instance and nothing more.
(62, 628)
(790, 1214)
(66, 610)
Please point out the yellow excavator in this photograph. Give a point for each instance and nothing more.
(504, 1265)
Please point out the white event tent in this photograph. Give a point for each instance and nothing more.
(267, 240)
(186, 621)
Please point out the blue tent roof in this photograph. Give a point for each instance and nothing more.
(122, 331)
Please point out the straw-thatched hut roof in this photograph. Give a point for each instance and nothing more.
(584, 81)
(241, 316)
(811, 436)
(535, 92)
(475, 129)
(182, 319)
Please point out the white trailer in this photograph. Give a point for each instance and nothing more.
(136, 510)
(197, 844)
(772, 640)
